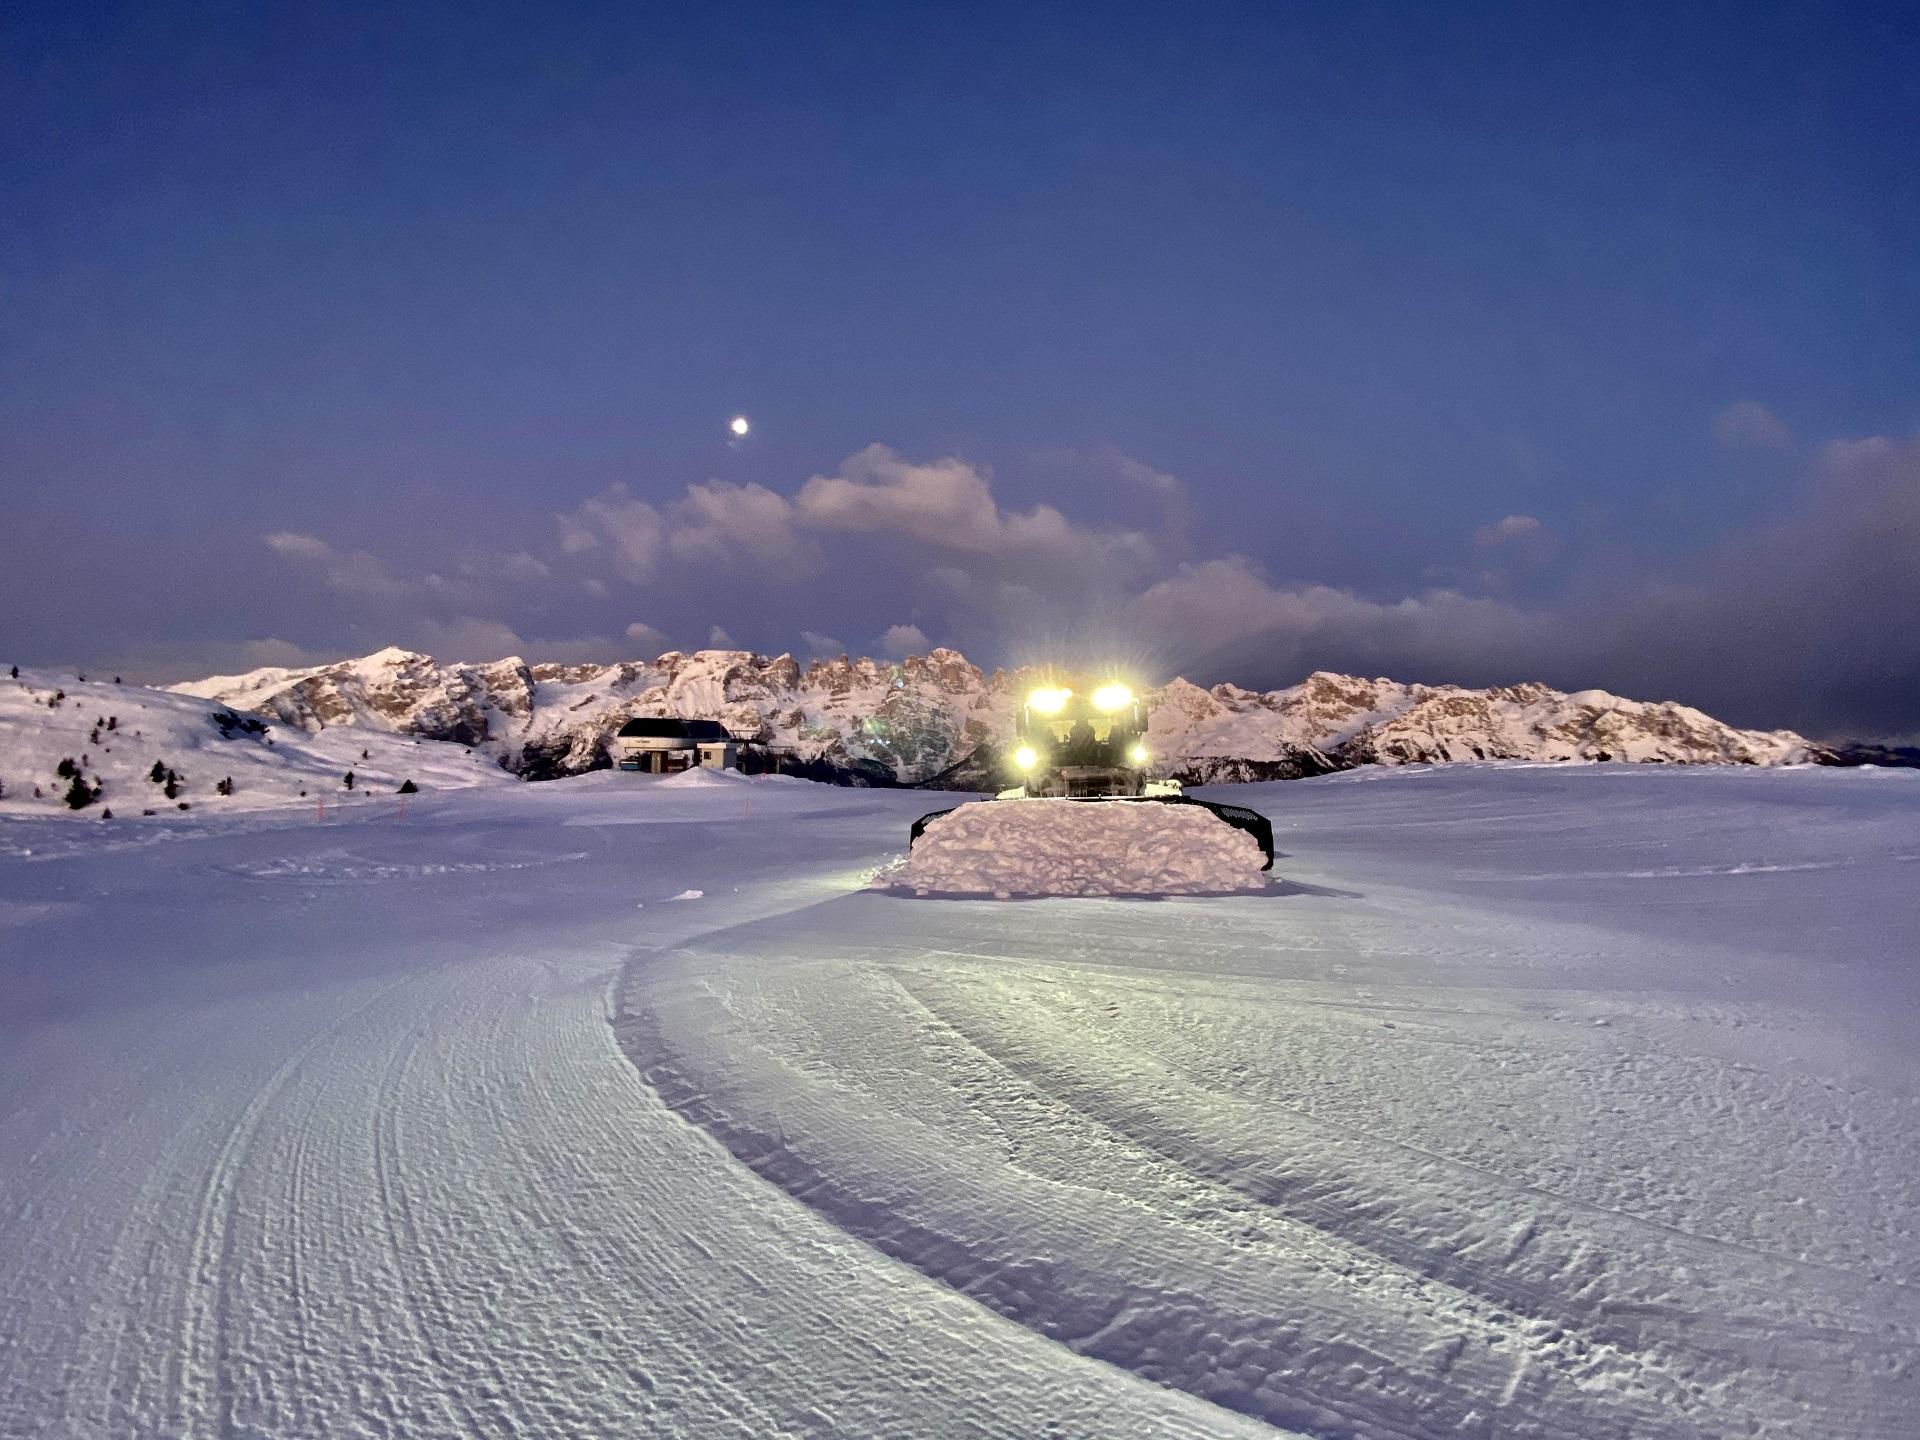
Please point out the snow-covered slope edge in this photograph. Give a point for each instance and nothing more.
(121, 741)
(939, 719)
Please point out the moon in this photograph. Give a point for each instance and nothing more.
(738, 425)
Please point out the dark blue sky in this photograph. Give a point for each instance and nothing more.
(405, 283)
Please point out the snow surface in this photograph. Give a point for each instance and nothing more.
(1010, 848)
(1526, 1102)
(47, 717)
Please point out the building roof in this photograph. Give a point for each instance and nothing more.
(673, 727)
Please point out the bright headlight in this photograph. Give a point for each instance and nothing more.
(1026, 757)
(1112, 697)
(1048, 701)
(1137, 753)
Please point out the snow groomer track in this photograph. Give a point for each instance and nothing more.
(1521, 1102)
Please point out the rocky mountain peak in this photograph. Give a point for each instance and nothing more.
(924, 715)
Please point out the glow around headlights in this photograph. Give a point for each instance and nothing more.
(1137, 753)
(1048, 701)
(1026, 757)
(1112, 697)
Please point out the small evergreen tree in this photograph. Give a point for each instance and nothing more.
(365, 756)
(16, 672)
(66, 769)
(349, 779)
(158, 774)
(107, 814)
(79, 794)
(113, 722)
(224, 787)
(407, 787)
(172, 788)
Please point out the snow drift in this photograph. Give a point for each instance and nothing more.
(1079, 847)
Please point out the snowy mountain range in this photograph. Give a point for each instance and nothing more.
(938, 719)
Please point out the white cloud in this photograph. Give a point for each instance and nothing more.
(718, 522)
(296, 546)
(1514, 527)
(899, 641)
(718, 639)
(823, 647)
(651, 641)
(1843, 454)
(1747, 424)
(945, 504)
(629, 528)
(576, 536)
(478, 639)
(468, 638)
(1224, 615)
(352, 572)
(525, 568)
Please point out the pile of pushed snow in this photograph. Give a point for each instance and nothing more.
(1079, 847)
(704, 777)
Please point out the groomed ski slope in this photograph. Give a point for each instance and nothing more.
(1557, 1101)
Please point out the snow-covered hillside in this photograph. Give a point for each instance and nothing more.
(127, 747)
(927, 716)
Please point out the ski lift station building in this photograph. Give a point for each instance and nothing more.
(661, 743)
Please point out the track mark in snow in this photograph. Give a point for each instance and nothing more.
(1257, 1327)
(353, 870)
(993, 1136)
(202, 1373)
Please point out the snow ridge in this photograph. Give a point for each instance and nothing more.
(939, 718)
